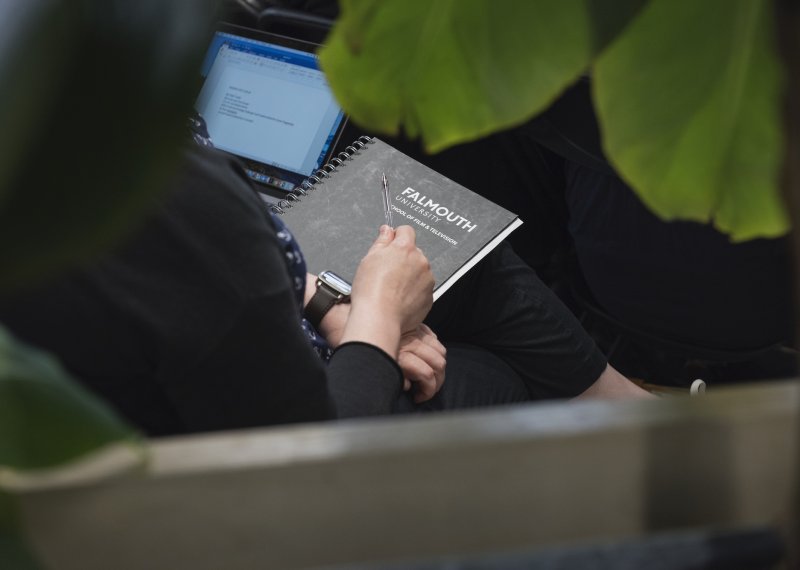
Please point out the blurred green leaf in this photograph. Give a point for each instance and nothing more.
(15, 552)
(452, 71)
(93, 106)
(46, 419)
(688, 99)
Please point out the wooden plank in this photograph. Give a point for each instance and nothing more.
(396, 488)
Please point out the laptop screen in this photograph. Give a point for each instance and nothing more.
(265, 100)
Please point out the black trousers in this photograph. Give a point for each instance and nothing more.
(509, 339)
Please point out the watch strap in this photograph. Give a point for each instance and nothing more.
(321, 302)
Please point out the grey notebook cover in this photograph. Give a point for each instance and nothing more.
(337, 221)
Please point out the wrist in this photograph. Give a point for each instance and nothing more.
(370, 326)
(333, 324)
(330, 291)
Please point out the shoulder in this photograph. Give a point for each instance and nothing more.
(214, 218)
(212, 187)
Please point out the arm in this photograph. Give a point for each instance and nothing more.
(612, 385)
(418, 352)
(421, 357)
(256, 366)
(392, 291)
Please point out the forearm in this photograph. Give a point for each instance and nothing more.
(363, 376)
(332, 325)
(613, 385)
(369, 324)
(363, 381)
(392, 291)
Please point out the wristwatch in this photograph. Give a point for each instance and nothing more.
(331, 290)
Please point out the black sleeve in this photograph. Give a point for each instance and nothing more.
(193, 325)
(238, 384)
(262, 370)
(364, 380)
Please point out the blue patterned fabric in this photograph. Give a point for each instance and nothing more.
(295, 263)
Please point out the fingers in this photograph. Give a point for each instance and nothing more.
(426, 335)
(402, 236)
(395, 278)
(385, 236)
(405, 236)
(431, 355)
(422, 360)
(420, 374)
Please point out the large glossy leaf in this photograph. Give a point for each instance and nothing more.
(46, 419)
(94, 99)
(451, 71)
(688, 100)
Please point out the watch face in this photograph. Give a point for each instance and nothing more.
(335, 282)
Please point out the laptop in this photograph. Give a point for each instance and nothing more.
(265, 100)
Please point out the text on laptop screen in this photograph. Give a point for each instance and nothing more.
(268, 103)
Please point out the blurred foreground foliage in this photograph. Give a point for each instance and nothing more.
(94, 100)
(687, 93)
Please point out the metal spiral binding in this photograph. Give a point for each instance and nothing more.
(318, 177)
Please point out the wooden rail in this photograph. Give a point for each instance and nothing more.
(390, 489)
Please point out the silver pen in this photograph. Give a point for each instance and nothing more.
(387, 206)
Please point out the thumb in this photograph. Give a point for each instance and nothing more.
(385, 235)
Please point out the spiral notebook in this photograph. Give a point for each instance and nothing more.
(336, 213)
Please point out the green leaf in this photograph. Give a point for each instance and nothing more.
(453, 71)
(93, 107)
(688, 101)
(15, 553)
(47, 419)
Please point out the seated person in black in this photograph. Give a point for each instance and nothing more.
(670, 300)
(194, 325)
